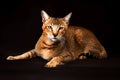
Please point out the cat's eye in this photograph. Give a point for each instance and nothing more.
(61, 28)
(50, 27)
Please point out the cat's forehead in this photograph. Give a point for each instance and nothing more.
(56, 21)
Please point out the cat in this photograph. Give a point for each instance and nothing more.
(61, 43)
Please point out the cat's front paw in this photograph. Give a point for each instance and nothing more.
(54, 63)
(82, 57)
(10, 58)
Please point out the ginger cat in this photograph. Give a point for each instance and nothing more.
(61, 43)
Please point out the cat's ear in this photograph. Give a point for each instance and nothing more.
(44, 15)
(67, 17)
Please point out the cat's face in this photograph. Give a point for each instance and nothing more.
(54, 28)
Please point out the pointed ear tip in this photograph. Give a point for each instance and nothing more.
(42, 11)
(70, 13)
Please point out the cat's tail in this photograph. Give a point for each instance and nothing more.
(26, 55)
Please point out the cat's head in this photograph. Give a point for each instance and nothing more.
(54, 28)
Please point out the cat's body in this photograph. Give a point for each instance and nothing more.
(61, 43)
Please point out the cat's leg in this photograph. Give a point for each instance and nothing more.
(58, 60)
(96, 52)
(25, 55)
(99, 54)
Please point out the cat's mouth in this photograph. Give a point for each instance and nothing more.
(54, 39)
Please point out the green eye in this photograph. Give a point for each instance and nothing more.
(50, 27)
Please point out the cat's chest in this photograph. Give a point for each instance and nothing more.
(47, 54)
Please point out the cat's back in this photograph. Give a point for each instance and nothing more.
(80, 34)
(77, 30)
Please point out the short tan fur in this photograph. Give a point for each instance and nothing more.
(60, 43)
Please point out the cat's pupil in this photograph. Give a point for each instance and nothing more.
(50, 27)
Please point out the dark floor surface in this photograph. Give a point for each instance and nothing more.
(33, 69)
(20, 28)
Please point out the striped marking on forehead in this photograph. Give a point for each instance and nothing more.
(52, 24)
(56, 21)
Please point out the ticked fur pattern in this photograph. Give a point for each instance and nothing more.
(60, 43)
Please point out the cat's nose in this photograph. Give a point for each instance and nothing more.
(55, 35)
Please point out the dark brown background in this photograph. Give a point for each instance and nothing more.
(20, 28)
